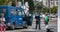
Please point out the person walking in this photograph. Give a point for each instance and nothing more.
(37, 17)
(27, 19)
(2, 23)
(30, 19)
(46, 21)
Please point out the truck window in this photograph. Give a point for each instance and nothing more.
(19, 12)
(23, 13)
(3, 10)
(13, 12)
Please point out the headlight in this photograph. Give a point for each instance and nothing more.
(20, 18)
(24, 22)
(8, 24)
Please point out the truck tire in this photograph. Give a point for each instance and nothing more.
(25, 27)
(13, 27)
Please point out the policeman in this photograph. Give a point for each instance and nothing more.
(37, 17)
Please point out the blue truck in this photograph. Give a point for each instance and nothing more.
(13, 16)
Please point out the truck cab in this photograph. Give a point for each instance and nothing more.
(13, 16)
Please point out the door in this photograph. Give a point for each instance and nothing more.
(19, 17)
(13, 14)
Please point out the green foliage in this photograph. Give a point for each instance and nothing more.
(38, 7)
(4, 2)
(1, 2)
(45, 10)
(54, 9)
(13, 3)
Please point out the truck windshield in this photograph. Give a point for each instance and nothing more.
(16, 12)
(3, 10)
(20, 12)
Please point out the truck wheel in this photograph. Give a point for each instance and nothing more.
(13, 27)
(25, 27)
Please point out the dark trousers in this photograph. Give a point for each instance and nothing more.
(38, 24)
(46, 23)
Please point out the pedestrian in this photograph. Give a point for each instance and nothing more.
(2, 23)
(30, 19)
(27, 19)
(46, 21)
(37, 17)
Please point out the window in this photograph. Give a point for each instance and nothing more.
(3, 11)
(51, 3)
(19, 12)
(51, 0)
(56, 3)
(46, 3)
(13, 12)
(22, 12)
(56, 0)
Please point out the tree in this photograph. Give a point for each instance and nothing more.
(1, 2)
(45, 10)
(4, 2)
(54, 9)
(38, 7)
(13, 3)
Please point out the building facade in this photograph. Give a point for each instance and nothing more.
(48, 3)
(51, 2)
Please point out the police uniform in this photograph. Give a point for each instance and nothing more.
(37, 17)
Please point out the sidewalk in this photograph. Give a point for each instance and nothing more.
(52, 25)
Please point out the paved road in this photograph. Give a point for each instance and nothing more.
(52, 25)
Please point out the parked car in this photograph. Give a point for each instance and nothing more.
(53, 16)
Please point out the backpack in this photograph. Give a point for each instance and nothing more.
(46, 18)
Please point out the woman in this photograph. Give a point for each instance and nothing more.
(2, 22)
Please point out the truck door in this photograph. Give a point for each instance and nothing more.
(13, 18)
(19, 17)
